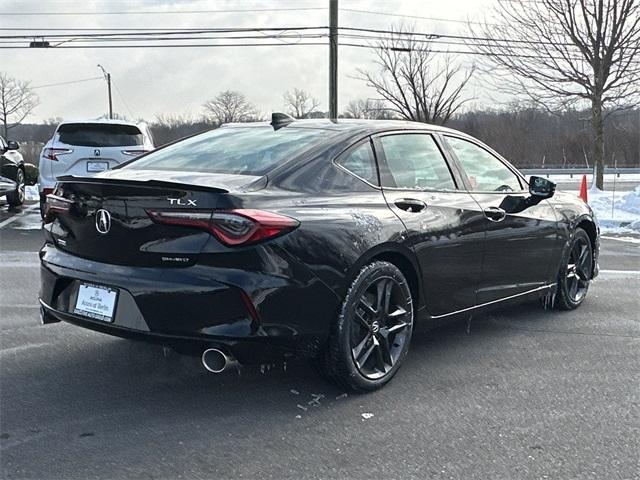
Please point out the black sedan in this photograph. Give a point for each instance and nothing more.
(255, 242)
(12, 174)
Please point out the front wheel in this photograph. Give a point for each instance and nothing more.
(575, 272)
(16, 197)
(371, 336)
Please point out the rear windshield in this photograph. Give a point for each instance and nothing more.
(239, 150)
(99, 135)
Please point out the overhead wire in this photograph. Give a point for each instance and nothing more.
(161, 12)
(66, 83)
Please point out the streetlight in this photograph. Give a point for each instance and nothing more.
(107, 77)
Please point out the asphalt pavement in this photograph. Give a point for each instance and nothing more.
(514, 394)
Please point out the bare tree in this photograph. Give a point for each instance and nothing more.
(369, 109)
(417, 85)
(567, 53)
(300, 103)
(230, 106)
(17, 100)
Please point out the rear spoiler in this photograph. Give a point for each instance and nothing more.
(154, 183)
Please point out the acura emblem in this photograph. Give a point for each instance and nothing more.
(103, 221)
(96, 152)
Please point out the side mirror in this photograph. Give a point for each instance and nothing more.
(541, 187)
(12, 145)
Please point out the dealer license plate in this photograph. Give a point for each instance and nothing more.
(96, 302)
(97, 166)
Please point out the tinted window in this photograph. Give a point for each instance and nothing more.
(361, 162)
(242, 150)
(486, 173)
(415, 161)
(99, 135)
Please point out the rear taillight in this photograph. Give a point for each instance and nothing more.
(54, 153)
(134, 153)
(231, 227)
(54, 205)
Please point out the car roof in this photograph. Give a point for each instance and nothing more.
(353, 125)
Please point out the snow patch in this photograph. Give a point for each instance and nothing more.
(619, 214)
(31, 193)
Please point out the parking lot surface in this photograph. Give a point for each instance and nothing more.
(517, 393)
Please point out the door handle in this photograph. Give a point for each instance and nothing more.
(495, 214)
(410, 204)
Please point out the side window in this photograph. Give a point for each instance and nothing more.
(3, 144)
(361, 162)
(414, 161)
(486, 173)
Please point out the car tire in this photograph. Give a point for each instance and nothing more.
(371, 336)
(16, 198)
(575, 272)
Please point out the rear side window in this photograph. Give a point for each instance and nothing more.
(239, 150)
(414, 161)
(99, 135)
(486, 172)
(361, 162)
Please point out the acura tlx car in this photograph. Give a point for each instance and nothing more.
(330, 240)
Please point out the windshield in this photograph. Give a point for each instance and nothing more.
(99, 135)
(238, 150)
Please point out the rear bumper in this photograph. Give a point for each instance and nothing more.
(245, 350)
(255, 316)
(45, 183)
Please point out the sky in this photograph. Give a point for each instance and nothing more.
(177, 81)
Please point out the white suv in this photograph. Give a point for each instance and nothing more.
(87, 147)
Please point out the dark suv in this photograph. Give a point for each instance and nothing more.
(12, 177)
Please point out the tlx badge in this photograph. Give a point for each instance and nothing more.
(181, 202)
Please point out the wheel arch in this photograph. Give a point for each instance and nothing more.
(401, 257)
(589, 226)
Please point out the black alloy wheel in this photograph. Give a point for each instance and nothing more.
(576, 271)
(372, 335)
(16, 197)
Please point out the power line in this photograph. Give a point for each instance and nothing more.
(179, 45)
(66, 83)
(459, 37)
(186, 12)
(187, 38)
(136, 29)
(465, 52)
(436, 19)
(170, 32)
(161, 12)
(123, 100)
(438, 41)
(137, 32)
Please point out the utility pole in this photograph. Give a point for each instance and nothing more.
(107, 77)
(333, 59)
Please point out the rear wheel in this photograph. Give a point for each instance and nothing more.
(575, 272)
(16, 197)
(371, 337)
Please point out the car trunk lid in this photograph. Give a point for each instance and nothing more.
(107, 218)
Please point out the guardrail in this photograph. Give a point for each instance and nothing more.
(577, 171)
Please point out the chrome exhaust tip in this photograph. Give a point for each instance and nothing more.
(217, 361)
